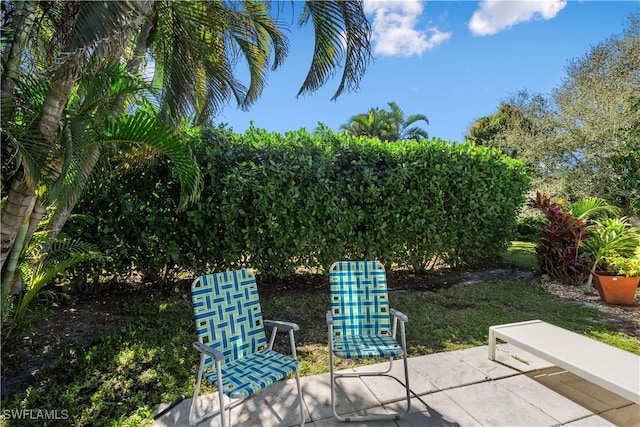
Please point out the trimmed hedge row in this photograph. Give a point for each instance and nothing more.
(278, 202)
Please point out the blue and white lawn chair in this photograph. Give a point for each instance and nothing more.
(234, 353)
(359, 324)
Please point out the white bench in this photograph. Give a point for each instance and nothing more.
(609, 367)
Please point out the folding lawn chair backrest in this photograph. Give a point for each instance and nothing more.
(359, 300)
(228, 314)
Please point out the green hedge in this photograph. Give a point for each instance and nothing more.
(277, 202)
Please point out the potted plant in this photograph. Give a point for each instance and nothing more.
(615, 247)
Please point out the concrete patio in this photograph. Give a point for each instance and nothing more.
(459, 388)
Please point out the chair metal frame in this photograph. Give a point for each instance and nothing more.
(213, 352)
(358, 273)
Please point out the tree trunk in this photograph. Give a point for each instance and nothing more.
(36, 216)
(9, 272)
(24, 20)
(17, 206)
(21, 191)
(61, 214)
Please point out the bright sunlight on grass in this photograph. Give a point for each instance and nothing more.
(521, 254)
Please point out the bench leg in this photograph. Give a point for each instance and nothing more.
(492, 344)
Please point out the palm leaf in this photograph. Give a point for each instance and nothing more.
(80, 140)
(342, 32)
(39, 268)
(143, 129)
(196, 46)
(18, 116)
(591, 207)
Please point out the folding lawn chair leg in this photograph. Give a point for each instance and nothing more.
(373, 417)
(222, 407)
(193, 419)
(300, 398)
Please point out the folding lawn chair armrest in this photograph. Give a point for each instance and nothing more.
(329, 318)
(289, 327)
(284, 326)
(398, 315)
(203, 348)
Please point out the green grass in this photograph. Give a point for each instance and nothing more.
(521, 254)
(118, 379)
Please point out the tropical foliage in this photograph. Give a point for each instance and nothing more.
(386, 125)
(558, 253)
(76, 90)
(581, 237)
(611, 239)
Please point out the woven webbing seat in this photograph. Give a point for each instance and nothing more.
(235, 355)
(359, 324)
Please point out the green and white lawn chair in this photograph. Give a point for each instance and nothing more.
(359, 325)
(234, 353)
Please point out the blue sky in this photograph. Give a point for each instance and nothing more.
(453, 61)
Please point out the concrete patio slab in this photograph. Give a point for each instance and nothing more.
(545, 398)
(477, 358)
(594, 421)
(625, 416)
(459, 388)
(389, 387)
(494, 405)
(332, 422)
(434, 410)
(578, 389)
(352, 395)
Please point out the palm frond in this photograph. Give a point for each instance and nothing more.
(141, 129)
(414, 133)
(592, 207)
(416, 118)
(39, 268)
(196, 47)
(97, 27)
(79, 143)
(341, 32)
(258, 38)
(18, 115)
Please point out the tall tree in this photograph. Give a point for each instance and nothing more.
(516, 120)
(598, 110)
(66, 47)
(387, 125)
(581, 140)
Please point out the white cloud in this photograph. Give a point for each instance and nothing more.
(394, 32)
(494, 16)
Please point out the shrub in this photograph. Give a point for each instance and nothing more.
(277, 202)
(528, 228)
(559, 253)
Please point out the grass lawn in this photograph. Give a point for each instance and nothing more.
(118, 377)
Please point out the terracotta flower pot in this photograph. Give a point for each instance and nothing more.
(616, 289)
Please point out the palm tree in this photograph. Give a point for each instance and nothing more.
(372, 124)
(71, 46)
(403, 127)
(386, 125)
